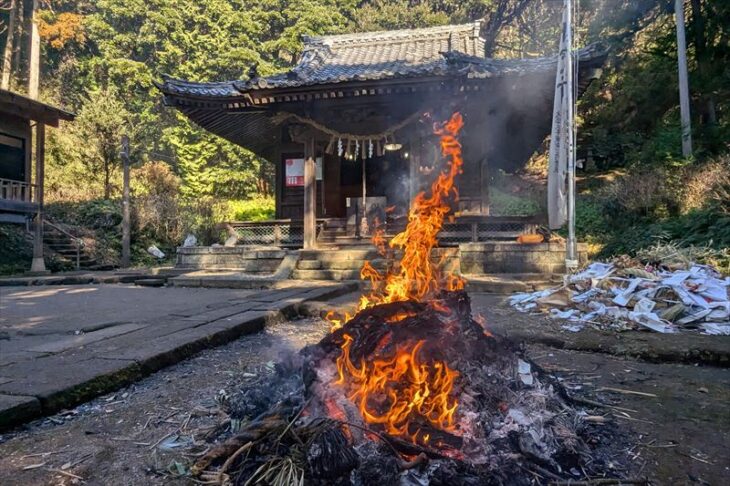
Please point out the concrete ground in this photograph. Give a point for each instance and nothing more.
(62, 345)
(65, 309)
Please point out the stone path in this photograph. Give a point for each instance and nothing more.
(61, 345)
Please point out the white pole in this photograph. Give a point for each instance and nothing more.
(683, 80)
(571, 250)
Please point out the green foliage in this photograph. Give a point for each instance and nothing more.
(91, 144)
(631, 115)
(505, 204)
(683, 205)
(95, 214)
(259, 209)
(16, 249)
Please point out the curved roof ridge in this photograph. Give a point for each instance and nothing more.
(336, 40)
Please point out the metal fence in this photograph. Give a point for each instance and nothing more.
(290, 234)
(496, 229)
(282, 233)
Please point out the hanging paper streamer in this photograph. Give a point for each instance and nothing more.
(339, 147)
(370, 149)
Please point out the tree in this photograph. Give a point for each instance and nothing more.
(34, 53)
(9, 43)
(95, 135)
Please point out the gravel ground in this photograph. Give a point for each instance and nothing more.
(141, 435)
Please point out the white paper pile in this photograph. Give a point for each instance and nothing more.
(605, 296)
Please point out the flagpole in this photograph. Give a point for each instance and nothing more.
(571, 250)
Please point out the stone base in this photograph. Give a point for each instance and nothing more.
(513, 257)
(252, 260)
(38, 267)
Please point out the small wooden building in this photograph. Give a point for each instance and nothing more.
(352, 121)
(21, 195)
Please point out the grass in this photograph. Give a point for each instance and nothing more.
(259, 209)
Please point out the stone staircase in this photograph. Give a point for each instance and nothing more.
(335, 234)
(330, 264)
(65, 245)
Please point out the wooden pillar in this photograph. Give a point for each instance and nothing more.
(279, 172)
(310, 195)
(413, 163)
(126, 224)
(484, 186)
(38, 265)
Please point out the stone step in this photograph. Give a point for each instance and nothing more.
(326, 274)
(150, 282)
(509, 283)
(360, 254)
(377, 263)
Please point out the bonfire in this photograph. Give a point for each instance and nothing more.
(411, 389)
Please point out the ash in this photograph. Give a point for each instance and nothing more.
(514, 424)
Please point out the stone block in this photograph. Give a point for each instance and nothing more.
(309, 264)
(65, 380)
(16, 409)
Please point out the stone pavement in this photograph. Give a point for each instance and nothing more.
(62, 345)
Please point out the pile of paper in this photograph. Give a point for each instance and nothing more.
(608, 297)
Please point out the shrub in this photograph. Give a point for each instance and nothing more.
(16, 249)
(156, 208)
(707, 185)
(639, 194)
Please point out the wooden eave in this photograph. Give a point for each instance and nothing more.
(30, 109)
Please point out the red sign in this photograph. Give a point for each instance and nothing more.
(294, 172)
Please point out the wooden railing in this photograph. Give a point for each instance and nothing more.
(17, 190)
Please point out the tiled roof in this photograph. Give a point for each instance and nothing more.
(357, 57)
(375, 55)
(455, 50)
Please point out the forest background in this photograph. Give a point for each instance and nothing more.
(99, 59)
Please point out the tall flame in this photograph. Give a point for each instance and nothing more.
(404, 392)
(417, 276)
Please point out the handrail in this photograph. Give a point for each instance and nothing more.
(79, 242)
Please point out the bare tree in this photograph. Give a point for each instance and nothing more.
(8, 51)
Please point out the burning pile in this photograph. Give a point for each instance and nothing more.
(411, 390)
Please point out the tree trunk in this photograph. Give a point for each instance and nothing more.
(34, 54)
(706, 110)
(107, 179)
(19, 28)
(8, 51)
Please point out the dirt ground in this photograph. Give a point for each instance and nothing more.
(150, 432)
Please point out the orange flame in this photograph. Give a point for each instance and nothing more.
(412, 389)
(336, 320)
(398, 391)
(417, 277)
